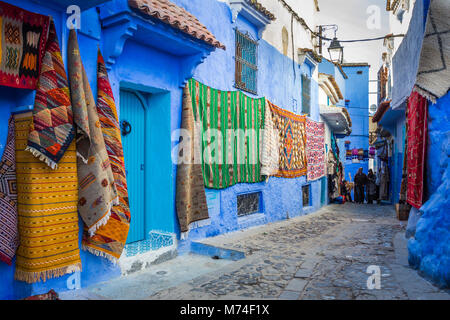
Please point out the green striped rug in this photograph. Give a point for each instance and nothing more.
(231, 124)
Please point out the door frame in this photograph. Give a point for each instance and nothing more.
(160, 212)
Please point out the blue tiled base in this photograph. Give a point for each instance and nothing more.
(157, 240)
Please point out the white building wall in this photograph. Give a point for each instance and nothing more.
(306, 9)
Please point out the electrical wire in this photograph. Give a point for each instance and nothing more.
(305, 25)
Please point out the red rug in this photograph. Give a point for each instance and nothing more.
(417, 135)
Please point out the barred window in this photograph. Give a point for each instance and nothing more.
(246, 63)
(306, 94)
(306, 195)
(248, 203)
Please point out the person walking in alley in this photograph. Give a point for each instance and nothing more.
(360, 182)
(371, 187)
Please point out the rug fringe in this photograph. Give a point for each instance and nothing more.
(99, 253)
(32, 277)
(52, 164)
(425, 94)
(195, 225)
(104, 220)
(85, 161)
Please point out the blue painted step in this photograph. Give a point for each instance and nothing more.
(222, 253)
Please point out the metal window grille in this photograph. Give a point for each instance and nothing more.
(306, 193)
(306, 94)
(248, 203)
(246, 63)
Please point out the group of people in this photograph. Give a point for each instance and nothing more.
(363, 185)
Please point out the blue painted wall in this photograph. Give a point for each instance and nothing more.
(159, 76)
(429, 251)
(279, 79)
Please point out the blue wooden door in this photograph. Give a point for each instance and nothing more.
(132, 120)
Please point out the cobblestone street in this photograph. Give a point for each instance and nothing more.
(321, 256)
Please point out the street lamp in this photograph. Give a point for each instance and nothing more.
(336, 51)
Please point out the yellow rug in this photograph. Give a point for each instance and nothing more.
(47, 212)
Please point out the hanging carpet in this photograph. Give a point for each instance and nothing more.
(315, 149)
(47, 212)
(191, 206)
(417, 136)
(270, 145)
(292, 133)
(433, 75)
(9, 236)
(230, 135)
(97, 191)
(109, 239)
(52, 129)
(23, 37)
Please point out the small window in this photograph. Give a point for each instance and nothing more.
(246, 63)
(248, 203)
(306, 194)
(306, 94)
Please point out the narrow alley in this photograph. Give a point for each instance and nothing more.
(323, 256)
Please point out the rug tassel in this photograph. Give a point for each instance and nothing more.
(425, 94)
(32, 277)
(42, 157)
(195, 225)
(99, 253)
(104, 220)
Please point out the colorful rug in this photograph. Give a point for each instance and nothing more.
(191, 206)
(292, 133)
(270, 146)
(230, 132)
(52, 128)
(434, 64)
(97, 191)
(9, 234)
(47, 212)
(315, 149)
(23, 37)
(417, 137)
(109, 240)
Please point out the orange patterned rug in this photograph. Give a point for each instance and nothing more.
(47, 212)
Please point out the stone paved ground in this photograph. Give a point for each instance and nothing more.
(321, 256)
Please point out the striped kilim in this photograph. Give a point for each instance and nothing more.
(9, 236)
(417, 137)
(315, 149)
(47, 212)
(292, 131)
(52, 128)
(109, 240)
(230, 129)
(97, 191)
(191, 205)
